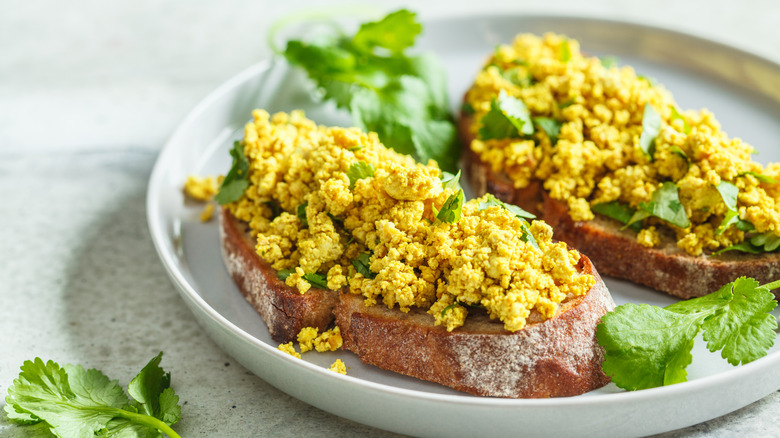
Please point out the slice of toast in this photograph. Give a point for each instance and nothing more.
(616, 252)
(284, 310)
(548, 358)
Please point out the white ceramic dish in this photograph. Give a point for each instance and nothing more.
(739, 87)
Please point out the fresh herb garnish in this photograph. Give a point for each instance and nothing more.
(728, 193)
(276, 210)
(402, 98)
(517, 77)
(359, 170)
(448, 308)
(651, 126)
(362, 265)
(618, 211)
(665, 204)
(450, 181)
(284, 273)
(72, 401)
(760, 177)
(651, 81)
(451, 209)
(677, 116)
(467, 109)
(768, 241)
(680, 152)
(237, 179)
(521, 214)
(744, 246)
(609, 61)
(551, 127)
(508, 118)
(565, 51)
(316, 280)
(301, 213)
(648, 346)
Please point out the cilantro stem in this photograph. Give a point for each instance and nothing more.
(146, 420)
(773, 285)
(319, 14)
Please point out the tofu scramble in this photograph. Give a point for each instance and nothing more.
(334, 207)
(601, 159)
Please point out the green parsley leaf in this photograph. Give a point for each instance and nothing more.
(565, 51)
(609, 61)
(527, 236)
(276, 209)
(744, 246)
(518, 77)
(362, 265)
(567, 103)
(467, 109)
(508, 118)
(618, 211)
(647, 346)
(448, 308)
(402, 98)
(760, 177)
(72, 401)
(450, 181)
(768, 241)
(665, 204)
(357, 171)
(237, 179)
(301, 213)
(551, 127)
(316, 280)
(356, 148)
(451, 209)
(284, 273)
(677, 116)
(651, 126)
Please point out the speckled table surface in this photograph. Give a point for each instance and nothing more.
(89, 92)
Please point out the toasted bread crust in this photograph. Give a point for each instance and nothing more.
(284, 310)
(616, 252)
(553, 358)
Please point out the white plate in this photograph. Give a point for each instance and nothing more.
(739, 87)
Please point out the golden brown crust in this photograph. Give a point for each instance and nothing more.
(553, 358)
(284, 310)
(616, 252)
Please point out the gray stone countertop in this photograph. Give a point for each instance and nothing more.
(89, 92)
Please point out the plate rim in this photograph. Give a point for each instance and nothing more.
(189, 292)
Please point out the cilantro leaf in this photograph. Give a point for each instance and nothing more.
(551, 127)
(665, 204)
(401, 98)
(451, 209)
(744, 246)
(677, 116)
(609, 61)
(467, 109)
(680, 152)
(395, 32)
(618, 211)
(647, 346)
(508, 118)
(565, 51)
(518, 77)
(651, 127)
(316, 280)
(237, 179)
(284, 273)
(761, 178)
(450, 181)
(357, 171)
(767, 242)
(728, 193)
(362, 265)
(301, 213)
(72, 401)
(492, 201)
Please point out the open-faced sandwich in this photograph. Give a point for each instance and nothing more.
(651, 193)
(325, 225)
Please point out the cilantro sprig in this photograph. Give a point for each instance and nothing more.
(451, 209)
(665, 204)
(72, 401)
(402, 98)
(508, 118)
(237, 179)
(619, 211)
(359, 170)
(362, 265)
(648, 346)
(651, 127)
(521, 214)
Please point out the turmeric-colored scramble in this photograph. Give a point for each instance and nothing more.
(334, 207)
(600, 156)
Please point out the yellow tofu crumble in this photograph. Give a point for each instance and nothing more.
(350, 212)
(597, 157)
(289, 348)
(339, 367)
